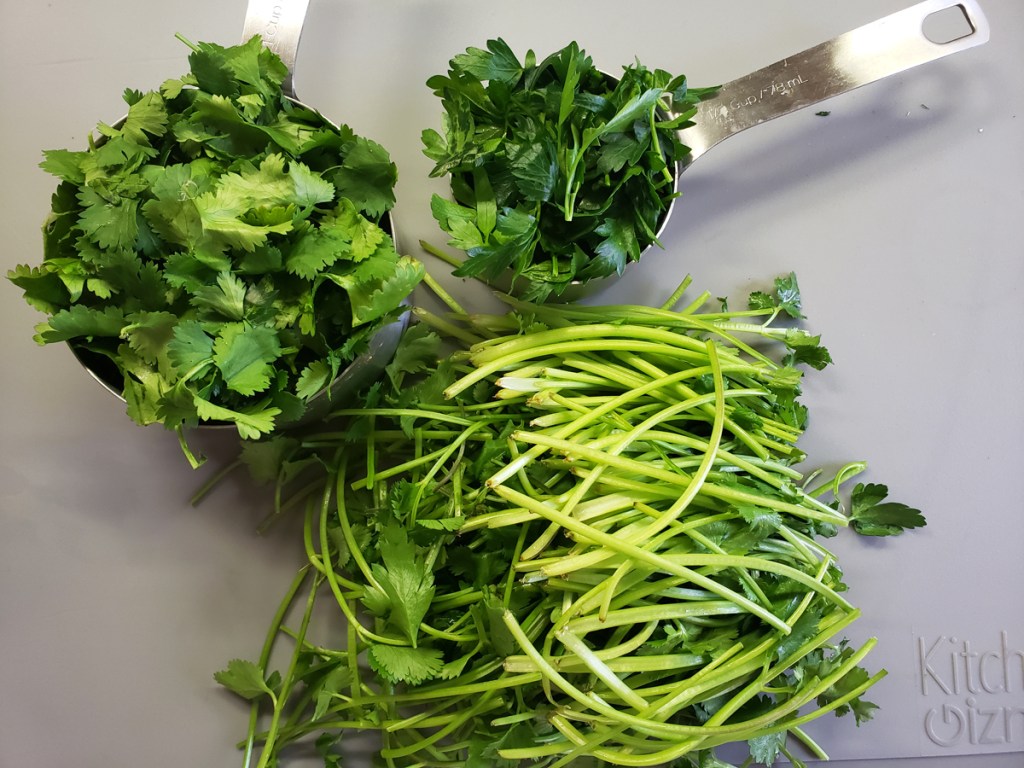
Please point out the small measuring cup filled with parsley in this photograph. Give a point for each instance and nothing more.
(223, 253)
(561, 174)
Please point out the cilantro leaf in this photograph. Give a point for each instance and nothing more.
(243, 353)
(210, 69)
(367, 177)
(824, 662)
(266, 457)
(187, 246)
(225, 300)
(378, 284)
(144, 391)
(447, 524)
(313, 379)
(147, 116)
(149, 333)
(418, 350)
(245, 679)
(252, 421)
(316, 250)
(401, 664)
(81, 322)
(227, 212)
(308, 188)
(862, 710)
(110, 224)
(43, 288)
(191, 346)
(870, 516)
(760, 519)
(333, 683)
(64, 164)
(766, 749)
(786, 298)
(406, 581)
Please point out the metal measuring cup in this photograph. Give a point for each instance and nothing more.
(887, 46)
(279, 24)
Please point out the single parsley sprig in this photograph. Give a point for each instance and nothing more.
(221, 249)
(559, 172)
(871, 516)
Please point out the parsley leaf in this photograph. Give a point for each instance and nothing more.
(786, 297)
(579, 163)
(870, 516)
(498, 62)
(620, 246)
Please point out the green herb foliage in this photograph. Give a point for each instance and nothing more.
(559, 172)
(581, 534)
(221, 247)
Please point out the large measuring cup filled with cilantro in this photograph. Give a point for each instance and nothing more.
(223, 254)
(563, 175)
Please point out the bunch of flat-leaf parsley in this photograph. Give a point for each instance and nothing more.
(560, 173)
(581, 537)
(220, 249)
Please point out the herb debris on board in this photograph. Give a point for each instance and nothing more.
(582, 534)
(221, 247)
(559, 171)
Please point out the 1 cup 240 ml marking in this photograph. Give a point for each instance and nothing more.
(269, 32)
(775, 88)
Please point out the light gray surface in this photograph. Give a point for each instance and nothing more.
(900, 212)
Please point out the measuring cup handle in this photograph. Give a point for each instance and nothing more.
(279, 23)
(884, 47)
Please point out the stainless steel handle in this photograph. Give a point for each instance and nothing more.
(890, 45)
(279, 23)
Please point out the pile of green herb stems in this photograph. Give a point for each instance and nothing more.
(605, 551)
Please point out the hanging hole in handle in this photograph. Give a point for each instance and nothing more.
(948, 25)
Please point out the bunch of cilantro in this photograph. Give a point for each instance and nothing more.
(219, 252)
(581, 535)
(560, 173)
